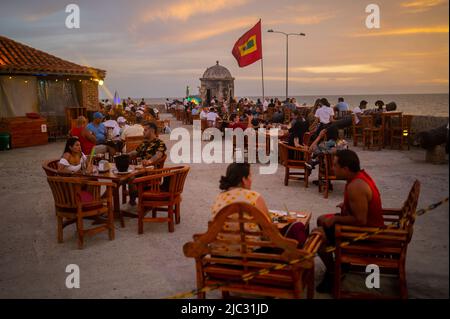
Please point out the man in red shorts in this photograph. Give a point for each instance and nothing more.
(361, 207)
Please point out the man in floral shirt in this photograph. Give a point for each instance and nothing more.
(152, 149)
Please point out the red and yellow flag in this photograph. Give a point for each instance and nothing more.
(248, 48)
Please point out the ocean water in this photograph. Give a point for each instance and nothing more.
(415, 104)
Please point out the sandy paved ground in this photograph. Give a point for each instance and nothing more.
(152, 265)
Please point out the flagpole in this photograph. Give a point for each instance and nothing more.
(262, 69)
(262, 77)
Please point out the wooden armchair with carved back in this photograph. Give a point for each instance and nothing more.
(225, 257)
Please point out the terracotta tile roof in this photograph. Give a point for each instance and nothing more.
(16, 58)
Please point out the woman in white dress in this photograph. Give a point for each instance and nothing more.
(73, 158)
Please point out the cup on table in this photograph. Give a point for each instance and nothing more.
(139, 161)
(292, 216)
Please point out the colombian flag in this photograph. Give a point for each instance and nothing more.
(248, 48)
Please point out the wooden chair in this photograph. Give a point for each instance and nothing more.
(372, 135)
(157, 165)
(132, 142)
(387, 250)
(326, 173)
(51, 167)
(73, 205)
(153, 197)
(357, 130)
(293, 159)
(220, 261)
(402, 132)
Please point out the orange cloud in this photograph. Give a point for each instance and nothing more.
(183, 10)
(343, 69)
(405, 31)
(421, 5)
(309, 19)
(434, 81)
(213, 30)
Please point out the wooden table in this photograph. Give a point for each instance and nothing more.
(119, 179)
(304, 217)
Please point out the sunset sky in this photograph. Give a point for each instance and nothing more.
(156, 48)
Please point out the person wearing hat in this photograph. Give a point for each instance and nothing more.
(111, 123)
(98, 129)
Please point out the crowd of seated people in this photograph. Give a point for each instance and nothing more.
(288, 114)
(111, 125)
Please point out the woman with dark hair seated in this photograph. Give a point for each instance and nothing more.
(73, 158)
(236, 188)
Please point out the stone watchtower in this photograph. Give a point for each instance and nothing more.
(216, 82)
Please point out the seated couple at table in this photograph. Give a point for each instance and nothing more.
(151, 150)
(236, 187)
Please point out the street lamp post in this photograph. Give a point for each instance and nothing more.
(287, 52)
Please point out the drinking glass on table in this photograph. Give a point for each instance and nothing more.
(139, 161)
